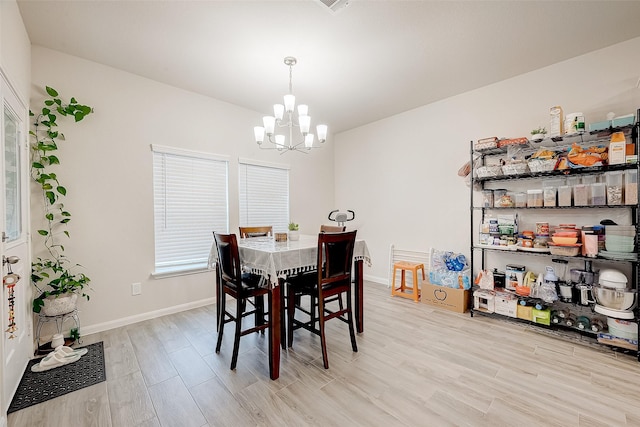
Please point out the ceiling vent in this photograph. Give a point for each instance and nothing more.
(334, 5)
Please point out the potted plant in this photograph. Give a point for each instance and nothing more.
(57, 279)
(293, 231)
(538, 134)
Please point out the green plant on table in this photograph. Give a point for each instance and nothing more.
(293, 226)
(539, 131)
(53, 274)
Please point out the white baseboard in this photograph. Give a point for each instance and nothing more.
(381, 280)
(118, 323)
(3, 421)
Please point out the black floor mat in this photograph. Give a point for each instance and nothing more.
(38, 387)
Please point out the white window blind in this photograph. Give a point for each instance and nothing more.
(264, 195)
(190, 202)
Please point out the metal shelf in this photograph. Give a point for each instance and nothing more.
(582, 336)
(480, 260)
(561, 173)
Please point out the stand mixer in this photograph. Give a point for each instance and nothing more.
(613, 299)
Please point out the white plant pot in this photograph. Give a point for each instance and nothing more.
(294, 235)
(63, 304)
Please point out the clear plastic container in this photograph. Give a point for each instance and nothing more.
(550, 189)
(581, 194)
(520, 200)
(614, 188)
(631, 187)
(534, 198)
(487, 198)
(589, 179)
(598, 194)
(564, 195)
(497, 195)
(549, 196)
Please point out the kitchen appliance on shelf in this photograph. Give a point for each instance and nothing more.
(583, 281)
(565, 288)
(613, 299)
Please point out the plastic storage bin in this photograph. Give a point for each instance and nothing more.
(497, 195)
(549, 196)
(581, 194)
(631, 187)
(614, 188)
(520, 200)
(487, 198)
(564, 195)
(598, 194)
(534, 198)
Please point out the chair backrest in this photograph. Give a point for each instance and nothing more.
(228, 258)
(256, 231)
(332, 229)
(335, 255)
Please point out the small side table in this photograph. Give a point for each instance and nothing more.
(59, 319)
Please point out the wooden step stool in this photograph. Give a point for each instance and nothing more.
(404, 290)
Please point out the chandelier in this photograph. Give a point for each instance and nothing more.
(284, 117)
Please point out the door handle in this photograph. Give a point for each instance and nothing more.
(9, 260)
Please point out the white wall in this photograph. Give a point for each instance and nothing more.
(399, 174)
(15, 48)
(107, 169)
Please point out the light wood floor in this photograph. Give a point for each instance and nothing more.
(416, 366)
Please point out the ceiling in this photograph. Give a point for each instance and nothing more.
(369, 60)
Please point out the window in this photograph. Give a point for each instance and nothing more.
(264, 194)
(12, 185)
(190, 201)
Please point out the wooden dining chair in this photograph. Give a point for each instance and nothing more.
(256, 231)
(242, 288)
(332, 229)
(333, 279)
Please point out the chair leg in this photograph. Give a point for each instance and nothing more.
(352, 332)
(323, 339)
(291, 311)
(284, 292)
(236, 343)
(259, 315)
(313, 309)
(221, 316)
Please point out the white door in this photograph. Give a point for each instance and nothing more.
(16, 343)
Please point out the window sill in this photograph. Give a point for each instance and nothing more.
(163, 274)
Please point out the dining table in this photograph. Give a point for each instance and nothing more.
(274, 261)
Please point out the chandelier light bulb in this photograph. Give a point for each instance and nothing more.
(322, 132)
(308, 140)
(258, 131)
(289, 103)
(269, 124)
(278, 111)
(305, 124)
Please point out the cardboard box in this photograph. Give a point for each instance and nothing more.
(524, 312)
(484, 300)
(617, 341)
(448, 298)
(506, 304)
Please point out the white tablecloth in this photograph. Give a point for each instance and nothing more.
(274, 260)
